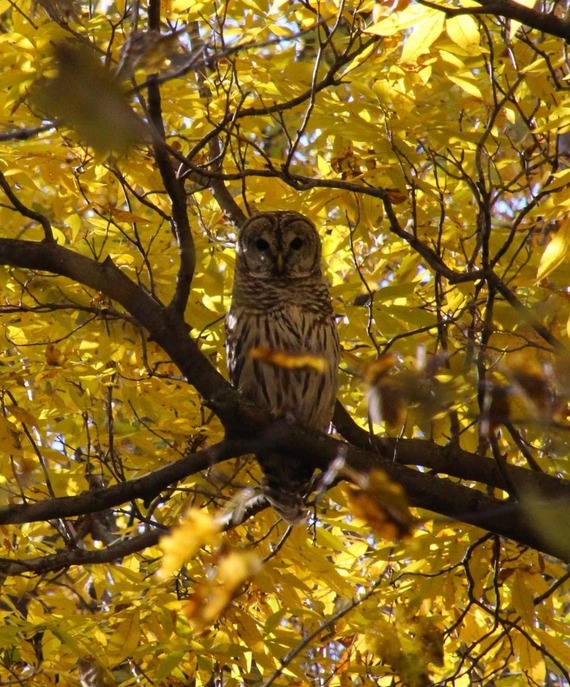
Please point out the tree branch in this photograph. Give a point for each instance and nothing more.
(25, 211)
(67, 558)
(244, 422)
(542, 21)
(145, 487)
(165, 327)
(173, 185)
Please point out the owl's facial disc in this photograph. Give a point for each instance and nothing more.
(279, 245)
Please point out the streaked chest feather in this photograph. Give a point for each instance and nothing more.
(303, 394)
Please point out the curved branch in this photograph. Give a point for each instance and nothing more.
(145, 487)
(25, 211)
(173, 185)
(164, 326)
(65, 559)
(253, 427)
(542, 21)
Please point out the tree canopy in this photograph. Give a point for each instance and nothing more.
(428, 141)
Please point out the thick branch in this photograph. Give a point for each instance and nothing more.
(247, 423)
(65, 559)
(145, 487)
(443, 496)
(448, 460)
(542, 21)
(164, 326)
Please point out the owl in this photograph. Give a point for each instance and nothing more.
(281, 302)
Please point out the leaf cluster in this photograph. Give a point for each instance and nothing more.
(428, 143)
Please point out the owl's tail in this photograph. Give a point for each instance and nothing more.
(286, 491)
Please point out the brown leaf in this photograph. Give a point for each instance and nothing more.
(211, 599)
(54, 356)
(381, 503)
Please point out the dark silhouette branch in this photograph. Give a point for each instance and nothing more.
(165, 327)
(425, 490)
(67, 558)
(547, 22)
(146, 487)
(249, 427)
(173, 185)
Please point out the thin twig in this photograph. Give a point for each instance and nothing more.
(323, 626)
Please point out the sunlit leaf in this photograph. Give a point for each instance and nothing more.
(556, 251)
(196, 529)
(463, 30)
(425, 32)
(210, 600)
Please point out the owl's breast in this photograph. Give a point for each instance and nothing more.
(302, 393)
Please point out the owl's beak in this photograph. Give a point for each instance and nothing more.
(280, 263)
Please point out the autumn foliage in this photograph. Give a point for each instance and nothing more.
(429, 143)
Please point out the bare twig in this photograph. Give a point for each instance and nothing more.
(174, 187)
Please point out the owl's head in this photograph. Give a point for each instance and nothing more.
(273, 245)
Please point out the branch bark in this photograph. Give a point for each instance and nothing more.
(541, 21)
(165, 327)
(250, 428)
(145, 487)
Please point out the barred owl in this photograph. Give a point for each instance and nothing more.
(281, 302)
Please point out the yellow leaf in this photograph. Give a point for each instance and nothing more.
(290, 361)
(425, 33)
(196, 530)
(23, 415)
(9, 441)
(16, 335)
(522, 599)
(467, 85)
(555, 252)
(126, 637)
(531, 658)
(398, 21)
(556, 645)
(463, 31)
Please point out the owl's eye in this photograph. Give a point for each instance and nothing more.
(261, 244)
(296, 243)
